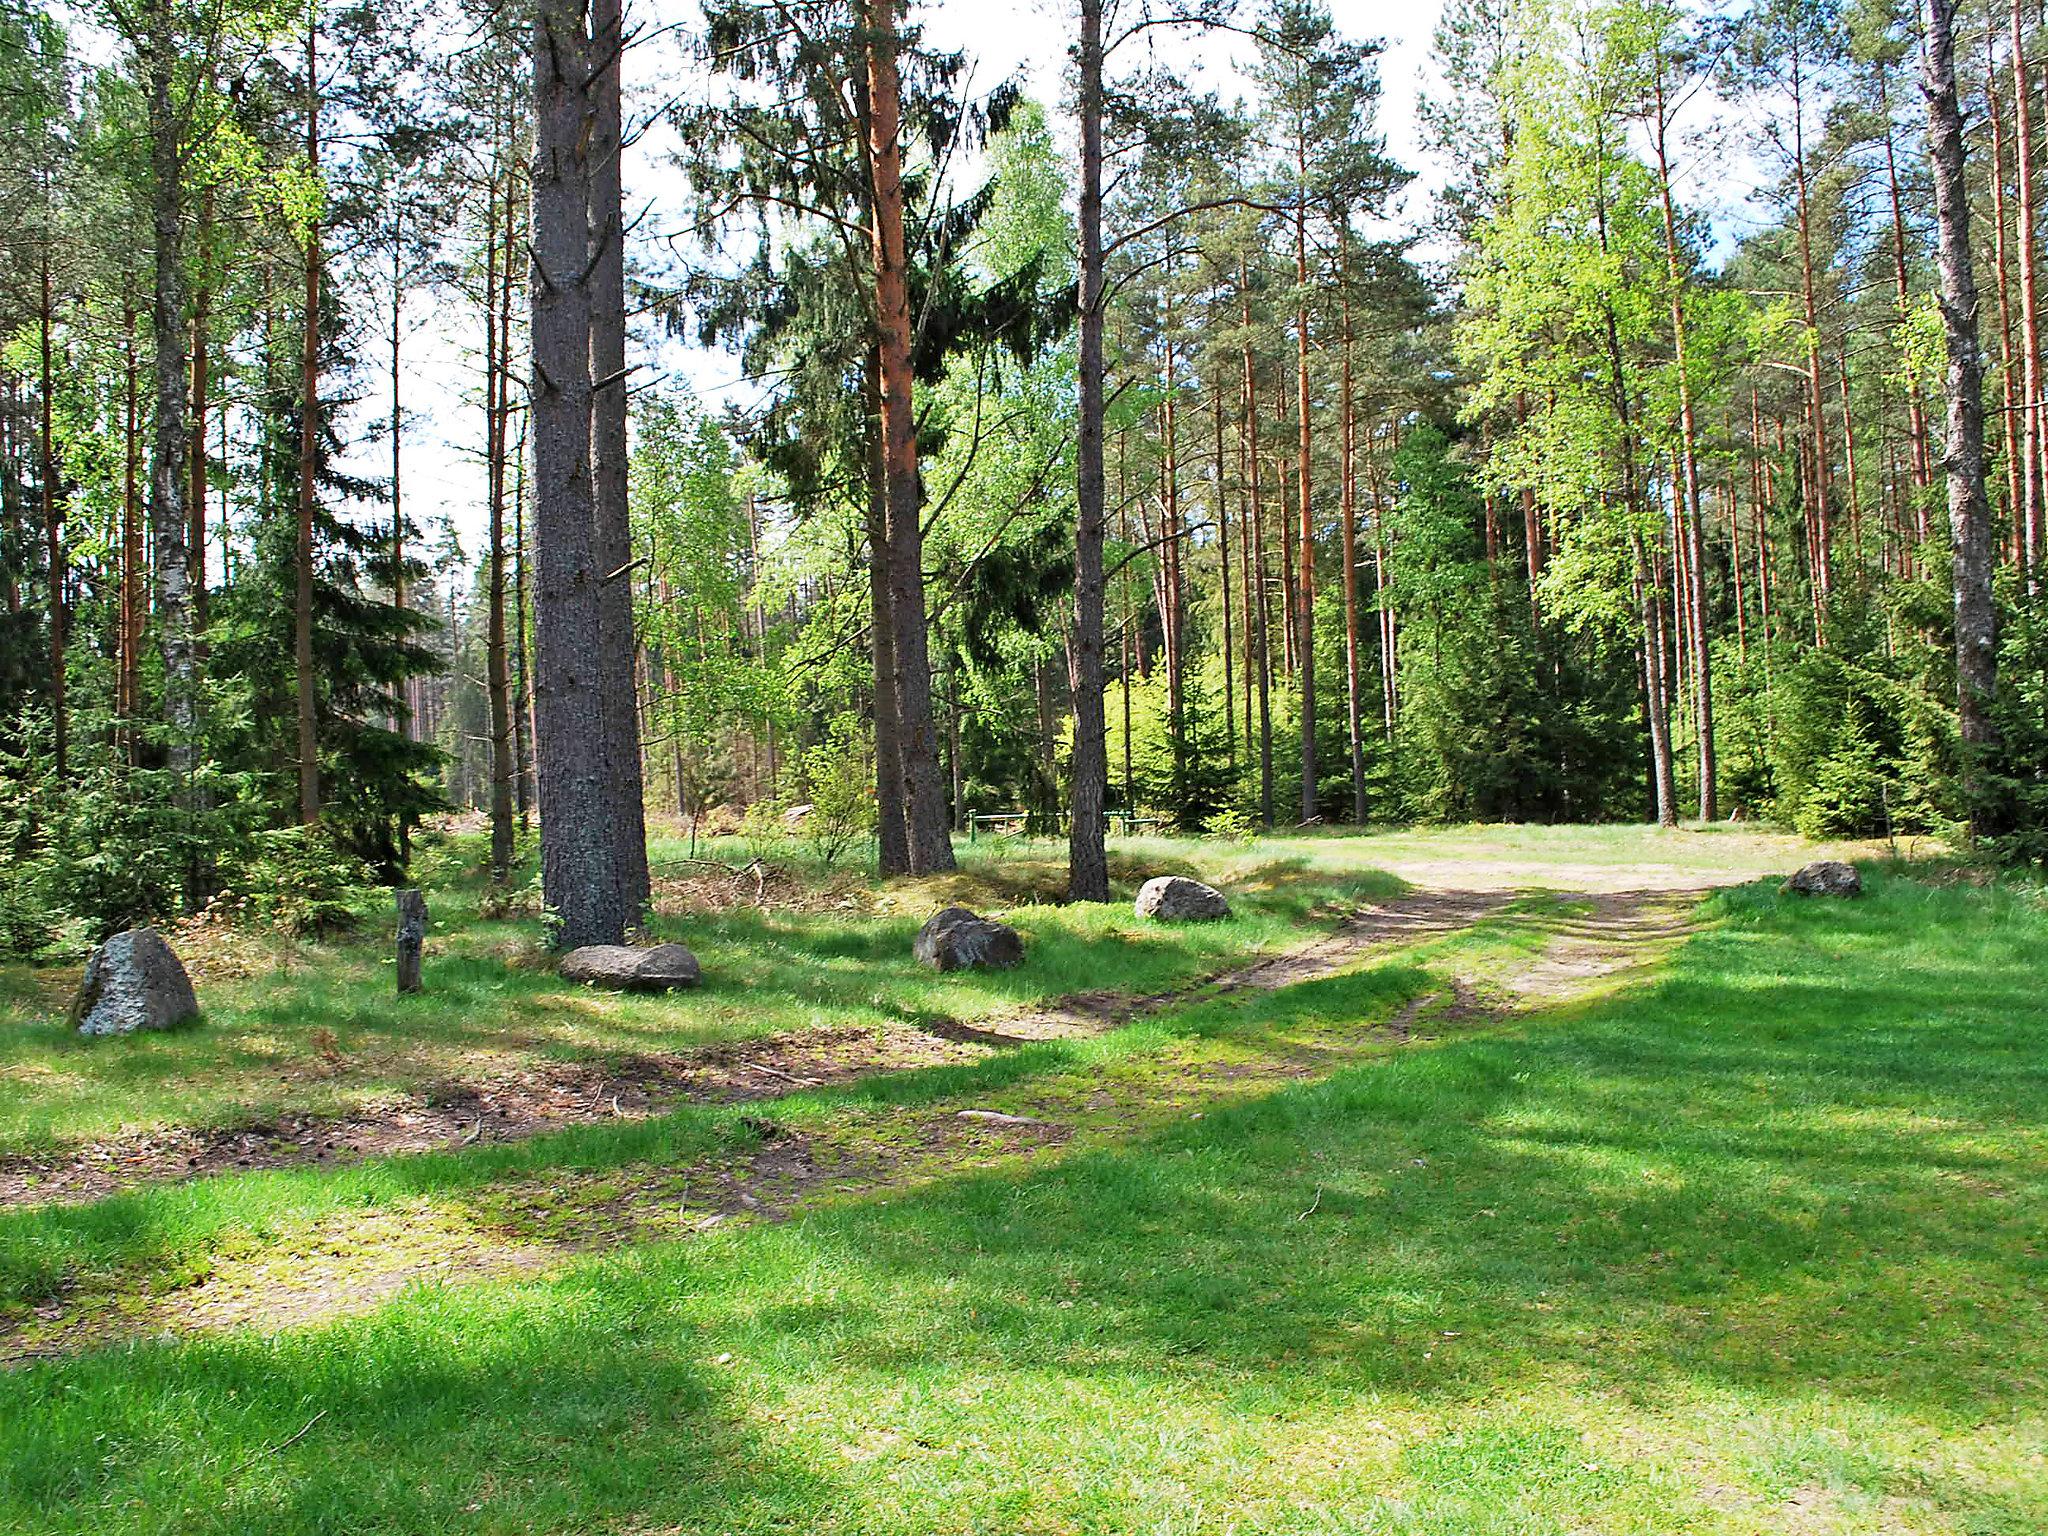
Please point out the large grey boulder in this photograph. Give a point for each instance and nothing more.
(1177, 899)
(629, 968)
(960, 940)
(1826, 878)
(134, 981)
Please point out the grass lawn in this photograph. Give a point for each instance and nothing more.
(316, 1027)
(1755, 1245)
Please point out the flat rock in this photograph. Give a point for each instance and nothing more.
(960, 940)
(1177, 899)
(1827, 878)
(133, 982)
(630, 968)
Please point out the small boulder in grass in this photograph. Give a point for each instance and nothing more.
(1827, 878)
(630, 968)
(960, 940)
(1177, 899)
(134, 982)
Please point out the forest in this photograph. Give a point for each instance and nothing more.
(1235, 494)
(894, 767)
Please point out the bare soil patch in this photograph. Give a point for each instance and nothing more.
(506, 1106)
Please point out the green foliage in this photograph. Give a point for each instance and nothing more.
(1858, 750)
(2014, 794)
(113, 845)
(838, 775)
(301, 883)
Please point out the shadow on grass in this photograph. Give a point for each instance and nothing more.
(331, 1032)
(1794, 1174)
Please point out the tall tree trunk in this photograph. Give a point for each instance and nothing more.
(1969, 510)
(579, 875)
(53, 519)
(1694, 561)
(2008, 371)
(892, 830)
(1305, 587)
(1259, 612)
(1087, 856)
(618, 685)
(930, 834)
(2028, 513)
(1169, 565)
(1353, 719)
(403, 720)
(1916, 409)
(167, 520)
(522, 704)
(133, 572)
(1820, 535)
(202, 343)
(1648, 598)
(497, 668)
(1223, 553)
(309, 451)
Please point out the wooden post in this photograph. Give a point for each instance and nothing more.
(412, 938)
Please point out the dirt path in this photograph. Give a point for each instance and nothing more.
(353, 1261)
(543, 1097)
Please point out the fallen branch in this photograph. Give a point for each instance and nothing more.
(282, 1445)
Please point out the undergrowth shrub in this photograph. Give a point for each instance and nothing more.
(300, 882)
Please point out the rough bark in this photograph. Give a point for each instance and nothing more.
(1969, 509)
(167, 519)
(1087, 857)
(618, 684)
(892, 833)
(929, 827)
(579, 874)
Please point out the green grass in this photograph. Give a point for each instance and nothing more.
(317, 1027)
(1755, 1247)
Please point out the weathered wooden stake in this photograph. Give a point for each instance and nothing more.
(412, 938)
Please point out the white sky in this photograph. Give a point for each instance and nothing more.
(443, 473)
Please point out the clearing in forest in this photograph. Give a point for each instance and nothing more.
(1478, 1181)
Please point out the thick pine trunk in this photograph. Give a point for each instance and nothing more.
(1963, 454)
(1087, 856)
(579, 875)
(929, 826)
(2028, 514)
(618, 688)
(2008, 370)
(892, 832)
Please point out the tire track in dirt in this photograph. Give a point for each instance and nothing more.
(351, 1262)
(513, 1105)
